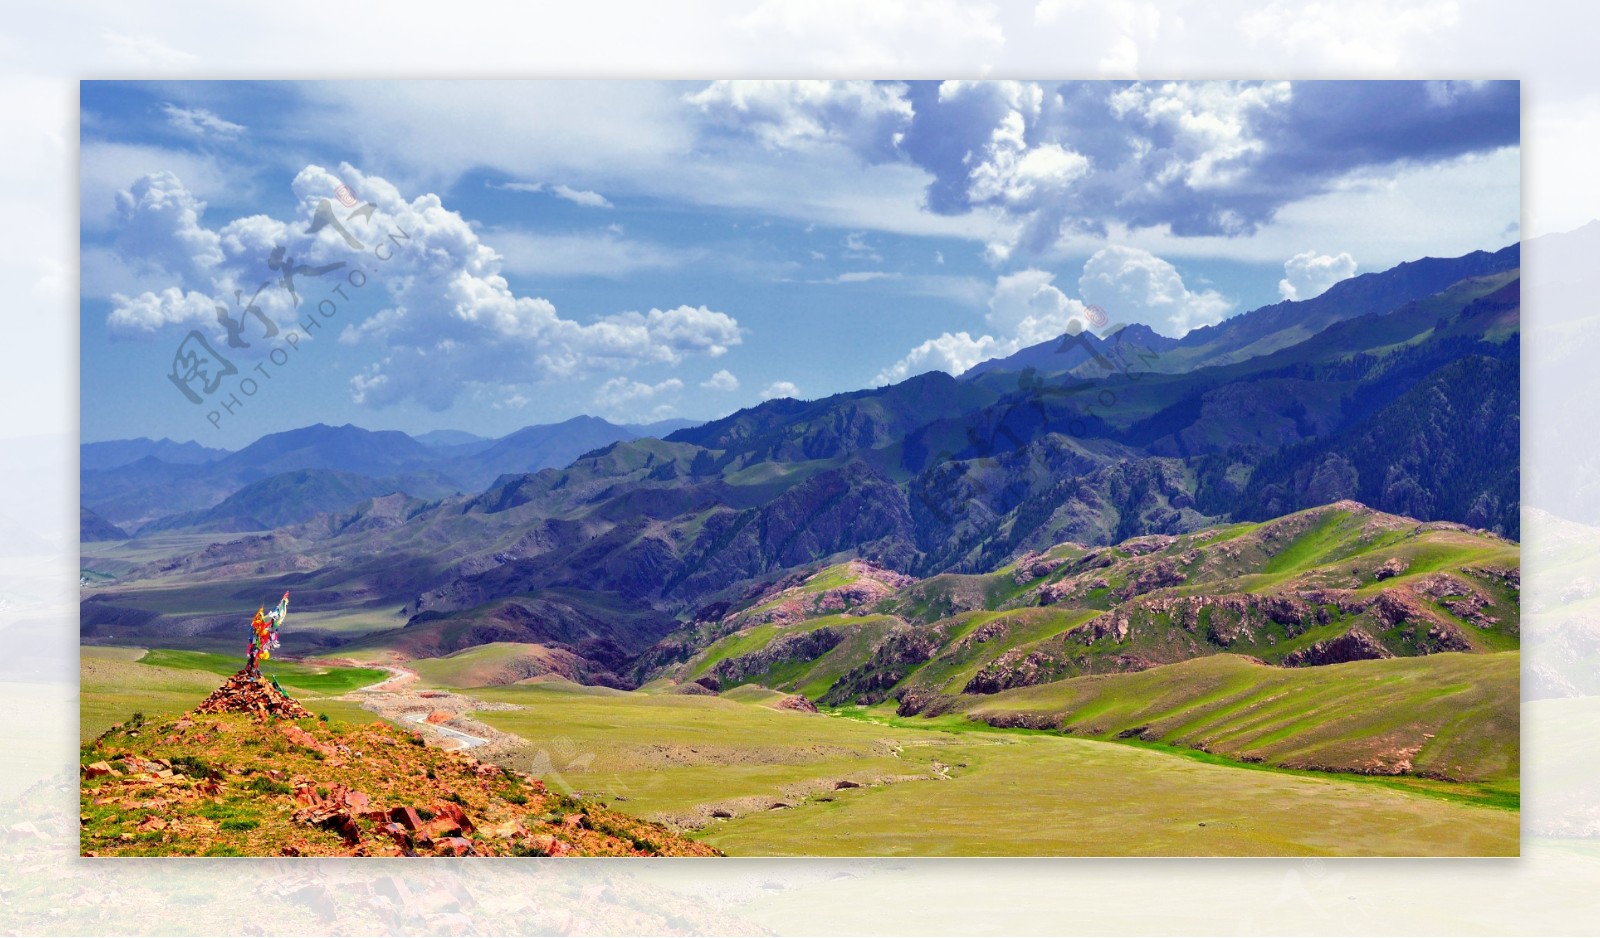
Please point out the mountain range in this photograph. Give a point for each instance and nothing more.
(158, 485)
(1397, 390)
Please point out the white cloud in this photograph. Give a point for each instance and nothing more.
(1026, 308)
(950, 352)
(159, 223)
(149, 312)
(199, 122)
(515, 186)
(1308, 274)
(856, 248)
(581, 197)
(867, 117)
(1133, 285)
(451, 322)
(107, 169)
(721, 381)
(1209, 123)
(624, 399)
(1016, 175)
(862, 276)
(780, 389)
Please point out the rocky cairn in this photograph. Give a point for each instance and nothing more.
(246, 693)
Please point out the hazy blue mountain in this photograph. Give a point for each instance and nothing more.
(282, 499)
(449, 438)
(542, 446)
(109, 454)
(92, 527)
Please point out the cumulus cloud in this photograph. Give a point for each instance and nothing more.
(1185, 158)
(449, 320)
(953, 353)
(1133, 285)
(780, 389)
(867, 117)
(627, 400)
(1308, 274)
(150, 311)
(722, 380)
(581, 197)
(199, 122)
(1027, 308)
(160, 227)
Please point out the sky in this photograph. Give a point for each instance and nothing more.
(484, 256)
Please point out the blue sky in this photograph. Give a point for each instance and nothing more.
(641, 250)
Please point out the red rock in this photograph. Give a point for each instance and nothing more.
(454, 846)
(97, 769)
(407, 817)
(454, 812)
(440, 716)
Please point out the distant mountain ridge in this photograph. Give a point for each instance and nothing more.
(161, 485)
(112, 453)
(1265, 329)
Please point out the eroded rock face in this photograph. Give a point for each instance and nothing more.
(903, 648)
(1016, 669)
(1033, 565)
(803, 646)
(1354, 645)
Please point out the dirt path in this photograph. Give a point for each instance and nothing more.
(463, 740)
(396, 698)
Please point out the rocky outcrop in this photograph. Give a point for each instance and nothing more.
(801, 646)
(866, 585)
(1016, 668)
(1392, 567)
(796, 702)
(902, 649)
(1033, 565)
(1354, 645)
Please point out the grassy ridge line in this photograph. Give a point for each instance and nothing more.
(1339, 546)
(1449, 715)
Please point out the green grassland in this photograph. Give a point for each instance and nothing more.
(936, 791)
(114, 683)
(1449, 716)
(948, 786)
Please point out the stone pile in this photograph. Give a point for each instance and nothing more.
(246, 693)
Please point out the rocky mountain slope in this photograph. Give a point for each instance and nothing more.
(1324, 586)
